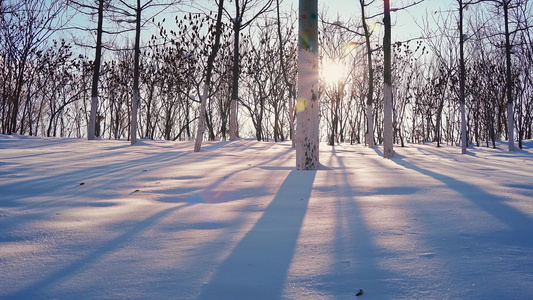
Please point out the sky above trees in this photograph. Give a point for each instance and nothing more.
(405, 22)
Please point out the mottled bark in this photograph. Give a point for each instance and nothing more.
(307, 106)
(388, 151)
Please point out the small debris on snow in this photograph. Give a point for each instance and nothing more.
(360, 293)
(82, 183)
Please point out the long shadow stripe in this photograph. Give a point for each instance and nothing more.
(32, 290)
(258, 266)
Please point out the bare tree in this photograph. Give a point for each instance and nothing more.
(91, 127)
(464, 138)
(509, 91)
(290, 85)
(209, 73)
(370, 68)
(25, 26)
(241, 8)
(525, 105)
(133, 14)
(337, 64)
(388, 151)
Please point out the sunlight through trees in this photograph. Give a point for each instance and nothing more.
(463, 80)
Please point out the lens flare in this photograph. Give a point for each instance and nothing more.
(301, 104)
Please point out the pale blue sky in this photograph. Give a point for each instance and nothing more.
(404, 26)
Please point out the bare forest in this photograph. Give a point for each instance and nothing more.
(138, 69)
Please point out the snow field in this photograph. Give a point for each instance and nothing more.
(105, 220)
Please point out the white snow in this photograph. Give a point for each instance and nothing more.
(104, 220)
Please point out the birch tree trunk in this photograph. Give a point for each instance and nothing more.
(233, 119)
(369, 126)
(91, 127)
(464, 140)
(510, 104)
(369, 100)
(291, 120)
(388, 151)
(205, 92)
(307, 105)
(136, 71)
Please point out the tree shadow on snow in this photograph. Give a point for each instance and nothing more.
(356, 256)
(517, 221)
(258, 266)
(33, 290)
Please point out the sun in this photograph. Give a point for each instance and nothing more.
(332, 71)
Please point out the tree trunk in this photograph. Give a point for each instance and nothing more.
(291, 116)
(136, 71)
(307, 107)
(235, 83)
(149, 112)
(370, 95)
(464, 140)
(388, 151)
(510, 105)
(369, 126)
(205, 92)
(91, 127)
(18, 91)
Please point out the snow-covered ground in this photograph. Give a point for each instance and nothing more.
(104, 220)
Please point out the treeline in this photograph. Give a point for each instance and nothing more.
(45, 81)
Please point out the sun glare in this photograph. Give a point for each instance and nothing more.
(332, 72)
